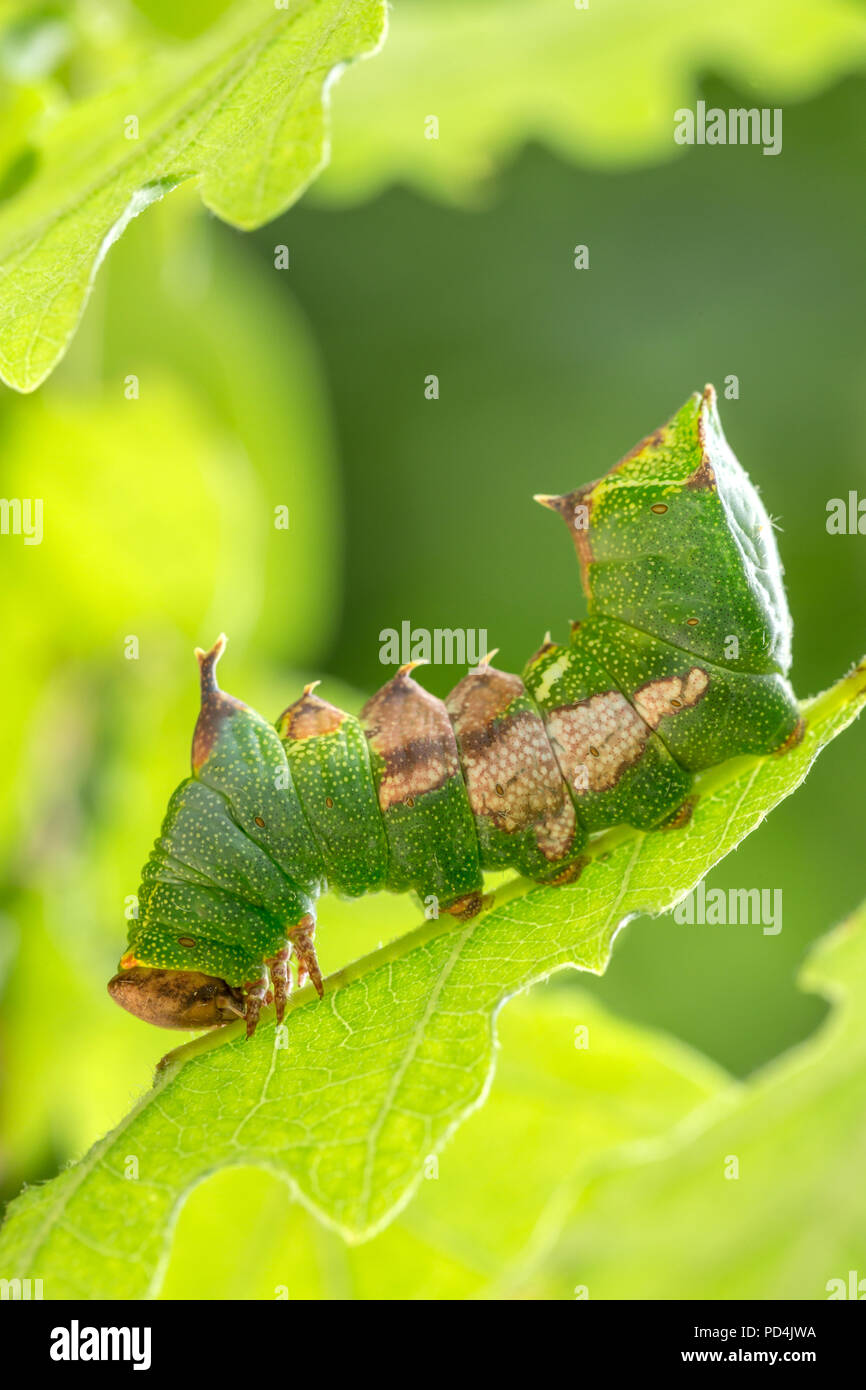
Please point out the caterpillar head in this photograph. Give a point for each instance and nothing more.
(176, 998)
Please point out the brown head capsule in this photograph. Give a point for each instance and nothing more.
(176, 998)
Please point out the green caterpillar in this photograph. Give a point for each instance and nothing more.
(680, 664)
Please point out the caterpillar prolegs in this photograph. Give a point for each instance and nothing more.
(680, 664)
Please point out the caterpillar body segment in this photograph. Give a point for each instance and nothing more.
(432, 844)
(616, 765)
(329, 759)
(525, 817)
(680, 664)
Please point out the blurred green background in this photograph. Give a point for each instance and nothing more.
(305, 388)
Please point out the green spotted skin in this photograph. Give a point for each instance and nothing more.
(330, 765)
(681, 548)
(680, 664)
(234, 831)
(727, 715)
(595, 733)
(188, 926)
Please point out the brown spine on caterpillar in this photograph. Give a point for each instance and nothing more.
(216, 705)
(309, 716)
(575, 508)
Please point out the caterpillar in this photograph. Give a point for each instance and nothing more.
(680, 664)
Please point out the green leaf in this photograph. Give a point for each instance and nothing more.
(240, 109)
(594, 1154)
(575, 1086)
(347, 1102)
(599, 85)
(783, 1223)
